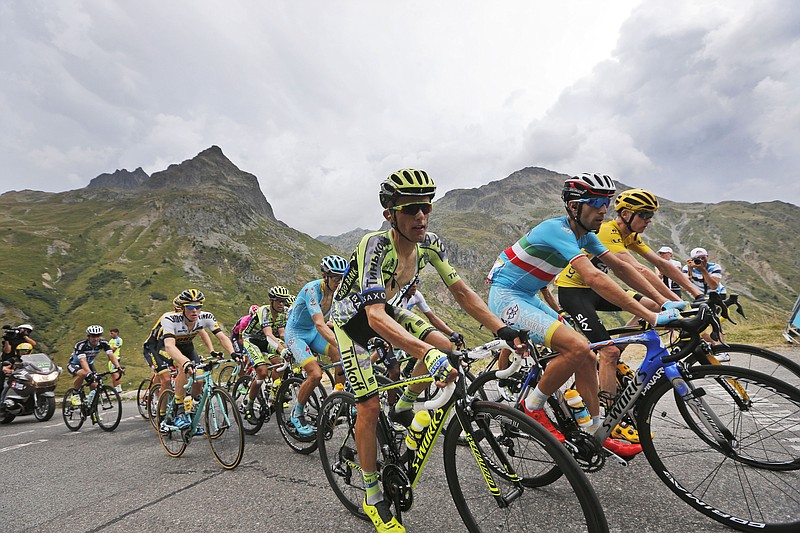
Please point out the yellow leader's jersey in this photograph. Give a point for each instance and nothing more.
(611, 237)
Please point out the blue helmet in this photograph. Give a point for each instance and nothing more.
(333, 265)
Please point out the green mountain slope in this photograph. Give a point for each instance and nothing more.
(117, 257)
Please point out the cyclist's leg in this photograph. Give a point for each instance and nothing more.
(358, 369)
(424, 331)
(583, 304)
(298, 342)
(259, 362)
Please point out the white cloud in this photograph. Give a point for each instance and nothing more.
(698, 102)
(320, 100)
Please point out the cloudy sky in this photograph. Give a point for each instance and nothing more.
(698, 101)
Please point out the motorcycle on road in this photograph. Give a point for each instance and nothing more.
(31, 389)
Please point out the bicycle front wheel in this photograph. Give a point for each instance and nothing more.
(253, 424)
(285, 402)
(142, 393)
(753, 358)
(336, 439)
(488, 480)
(225, 377)
(170, 436)
(73, 413)
(752, 481)
(108, 408)
(224, 429)
(152, 404)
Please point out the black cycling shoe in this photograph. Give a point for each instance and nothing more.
(404, 418)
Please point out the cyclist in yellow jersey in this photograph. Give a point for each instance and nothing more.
(635, 209)
(385, 264)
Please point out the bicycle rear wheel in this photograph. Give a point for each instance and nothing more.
(511, 448)
(337, 450)
(108, 408)
(285, 402)
(224, 429)
(170, 436)
(752, 486)
(241, 389)
(141, 397)
(73, 414)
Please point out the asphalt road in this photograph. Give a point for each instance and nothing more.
(55, 480)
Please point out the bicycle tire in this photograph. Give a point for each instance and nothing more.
(509, 437)
(285, 401)
(142, 393)
(253, 425)
(107, 408)
(225, 376)
(224, 429)
(742, 490)
(171, 438)
(757, 359)
(337, 451)
(74, 416)
(152, 404)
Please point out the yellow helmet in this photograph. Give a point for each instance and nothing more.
(191, 297)
(406, 182)
(24, 346)
(636, 200)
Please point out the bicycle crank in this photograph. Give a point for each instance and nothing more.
(397, 487)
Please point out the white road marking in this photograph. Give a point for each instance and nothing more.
(15, 446)
(15, 434)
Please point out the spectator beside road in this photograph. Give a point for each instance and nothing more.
(665, 252)
(704, 275)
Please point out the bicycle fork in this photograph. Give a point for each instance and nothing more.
(482, 433)
(693, 399)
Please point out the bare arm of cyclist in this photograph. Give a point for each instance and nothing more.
(629, 270)
(322, 327)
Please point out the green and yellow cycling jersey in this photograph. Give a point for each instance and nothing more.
(611, 238)
(262, 319)
(373, 278)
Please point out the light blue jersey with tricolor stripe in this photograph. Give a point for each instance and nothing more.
(537, 258)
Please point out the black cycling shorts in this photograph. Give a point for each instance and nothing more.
(583, 304)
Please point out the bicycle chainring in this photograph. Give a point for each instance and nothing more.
(586, 450)
(397, 487)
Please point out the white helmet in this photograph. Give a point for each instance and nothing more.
(94, 329)
(25, 326)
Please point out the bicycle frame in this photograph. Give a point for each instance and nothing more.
(648, 373)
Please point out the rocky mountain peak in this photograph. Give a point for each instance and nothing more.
(119, 179)
(212, 170)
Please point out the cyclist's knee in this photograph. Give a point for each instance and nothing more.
(609, 355)
(261, 372)
(438, 339)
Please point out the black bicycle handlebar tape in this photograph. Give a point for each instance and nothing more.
(693, 326)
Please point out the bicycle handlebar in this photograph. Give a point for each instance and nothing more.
(442, 398)
(703, 316)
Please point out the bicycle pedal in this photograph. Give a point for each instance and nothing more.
(620, 461)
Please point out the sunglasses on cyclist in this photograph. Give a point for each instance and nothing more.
(193, 307)
(413, 208)
(597, 203)
(646, 215)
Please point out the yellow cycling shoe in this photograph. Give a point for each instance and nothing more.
(379, 514)
(624, 431)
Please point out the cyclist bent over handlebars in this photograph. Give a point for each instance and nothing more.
(384, 264)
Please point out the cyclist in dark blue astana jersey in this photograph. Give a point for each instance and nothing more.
(307, 333)
(385, 264)
(531, 263)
